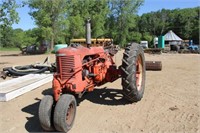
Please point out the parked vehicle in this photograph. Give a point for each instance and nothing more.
(144, 44)
(34, 49)
(193, 47)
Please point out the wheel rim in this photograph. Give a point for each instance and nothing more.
(70, 114)
(139, 72)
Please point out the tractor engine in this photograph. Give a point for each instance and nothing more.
(80, 69)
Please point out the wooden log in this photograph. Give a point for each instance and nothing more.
(153, 65)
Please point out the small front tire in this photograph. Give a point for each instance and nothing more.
(45, 113)
(65, 112)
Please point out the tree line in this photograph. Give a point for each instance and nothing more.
(58, 21)
(184, 22)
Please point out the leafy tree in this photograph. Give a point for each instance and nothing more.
(18, 37)
(48, 16)
(6, 37)
(8, 16)
(147, 36)
(195, 26)
(123, 13)
(136, 36)
(79, 11)
(33, 36)
(57, 21)
(98, 13)
(23, 38)
(155, 23)
(184, 22)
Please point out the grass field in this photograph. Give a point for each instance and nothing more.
(9, 49)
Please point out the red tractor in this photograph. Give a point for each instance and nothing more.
(80, 69)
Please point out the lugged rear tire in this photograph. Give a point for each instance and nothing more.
(65, 112)
(133, 72)
(45, 113)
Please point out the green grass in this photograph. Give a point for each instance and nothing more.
(9, 49)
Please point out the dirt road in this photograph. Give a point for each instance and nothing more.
(171, 101)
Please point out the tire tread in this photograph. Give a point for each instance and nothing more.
(128, 68)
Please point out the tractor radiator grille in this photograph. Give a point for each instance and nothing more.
(65, 65)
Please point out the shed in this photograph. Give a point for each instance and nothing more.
(172, 38)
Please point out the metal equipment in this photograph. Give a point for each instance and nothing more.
(80, 69)
(45, 67)
(34, 49)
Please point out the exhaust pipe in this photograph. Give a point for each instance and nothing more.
(88, 32)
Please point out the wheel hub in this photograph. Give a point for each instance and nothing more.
(139, 72)
(70, 114)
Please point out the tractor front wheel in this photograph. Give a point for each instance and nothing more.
(65, 112)
(45, 113)
(133, 72)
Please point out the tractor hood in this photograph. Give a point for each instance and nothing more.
(79, 50)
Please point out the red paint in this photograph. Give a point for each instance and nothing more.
(70, 66)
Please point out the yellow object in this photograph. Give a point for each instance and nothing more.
(94, 42)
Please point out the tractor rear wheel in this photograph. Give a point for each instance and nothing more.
(65, 112)
(45, 113)
(133, 72)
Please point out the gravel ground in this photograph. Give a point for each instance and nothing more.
(171, 100)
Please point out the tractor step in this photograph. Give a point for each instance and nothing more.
(18, 86)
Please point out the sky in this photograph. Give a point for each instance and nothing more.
(26, 22)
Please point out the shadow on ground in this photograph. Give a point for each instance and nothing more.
(33, 124)
(105, 96)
